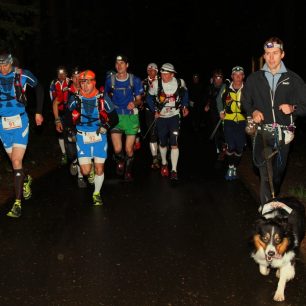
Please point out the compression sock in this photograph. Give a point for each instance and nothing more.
(62, 145)
(18, 182)
(174, 158)
(163, 154)
(99, 179)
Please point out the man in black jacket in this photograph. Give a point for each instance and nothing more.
(273, 97)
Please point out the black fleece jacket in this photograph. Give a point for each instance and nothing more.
(257, 95)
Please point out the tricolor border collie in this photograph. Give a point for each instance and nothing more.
(276, 239)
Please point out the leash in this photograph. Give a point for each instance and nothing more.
(268, 160)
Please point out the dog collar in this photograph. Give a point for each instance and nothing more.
(274, 205)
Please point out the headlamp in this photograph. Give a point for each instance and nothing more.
(270, 45)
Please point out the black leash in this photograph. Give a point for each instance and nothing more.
(268, 160)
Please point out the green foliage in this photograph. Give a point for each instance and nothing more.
(17, 23)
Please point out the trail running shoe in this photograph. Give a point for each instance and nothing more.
(164, 171)
(27, 192)
(155, 163)
(234, 176)
(15, 211)
(64, 159)
(173, 176)
(120, 167)
(229, 174)
(91, 176)
(81, 183)
(128, 176)
(74, 168)
(97, 201)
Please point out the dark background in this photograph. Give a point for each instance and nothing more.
(193, 35)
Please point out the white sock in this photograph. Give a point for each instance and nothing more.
(163, 154)
(153, 148)
(174, 158)
(62, 145)
(99, 179)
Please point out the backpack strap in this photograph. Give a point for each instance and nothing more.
(19, 91)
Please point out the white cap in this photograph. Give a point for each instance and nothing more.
(166, 68)
(152, 66)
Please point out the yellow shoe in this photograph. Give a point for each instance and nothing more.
(97, 201)
(15, 211)
(27, 192)
(91, 176)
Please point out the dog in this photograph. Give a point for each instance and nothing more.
(276, 238)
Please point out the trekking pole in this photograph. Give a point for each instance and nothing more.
(149, 128)
(215, 129)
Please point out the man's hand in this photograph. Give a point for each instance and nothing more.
(222, 115)
(131, 105)
(59, 127)
(286, 108)
(258, 116)
(39, 119)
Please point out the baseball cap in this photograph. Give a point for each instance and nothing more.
(122, 57)
(152, 66)
(87, 75)
(6, 59)
(167, 67)
(237, 69)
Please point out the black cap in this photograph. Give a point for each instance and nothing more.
(122, 57)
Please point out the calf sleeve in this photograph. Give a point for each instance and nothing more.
(18, 182)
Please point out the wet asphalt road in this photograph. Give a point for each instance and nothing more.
(152, 243)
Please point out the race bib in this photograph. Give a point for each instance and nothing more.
(91, 137)
(10, 123)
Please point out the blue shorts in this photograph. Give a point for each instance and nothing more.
(90, 145)
(14, 131)
(168, 130)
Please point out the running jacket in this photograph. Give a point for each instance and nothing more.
(257, 95)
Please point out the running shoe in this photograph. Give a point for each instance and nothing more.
(229, 174)
(74, 168)
(27, 192)
(128, 176)
(164, 171)
(81, 183)
(155, 163)
(97, 201)
(91, 176)
(173, 175)
(64, 159)
(120, 167)
(15, 212)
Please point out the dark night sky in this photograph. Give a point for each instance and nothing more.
(192, 38)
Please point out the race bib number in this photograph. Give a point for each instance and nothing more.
(10, 123)
(91, 137)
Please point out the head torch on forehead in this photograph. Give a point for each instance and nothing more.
(218, 76)
(6, 59)
(273, 45)
(238, 69)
